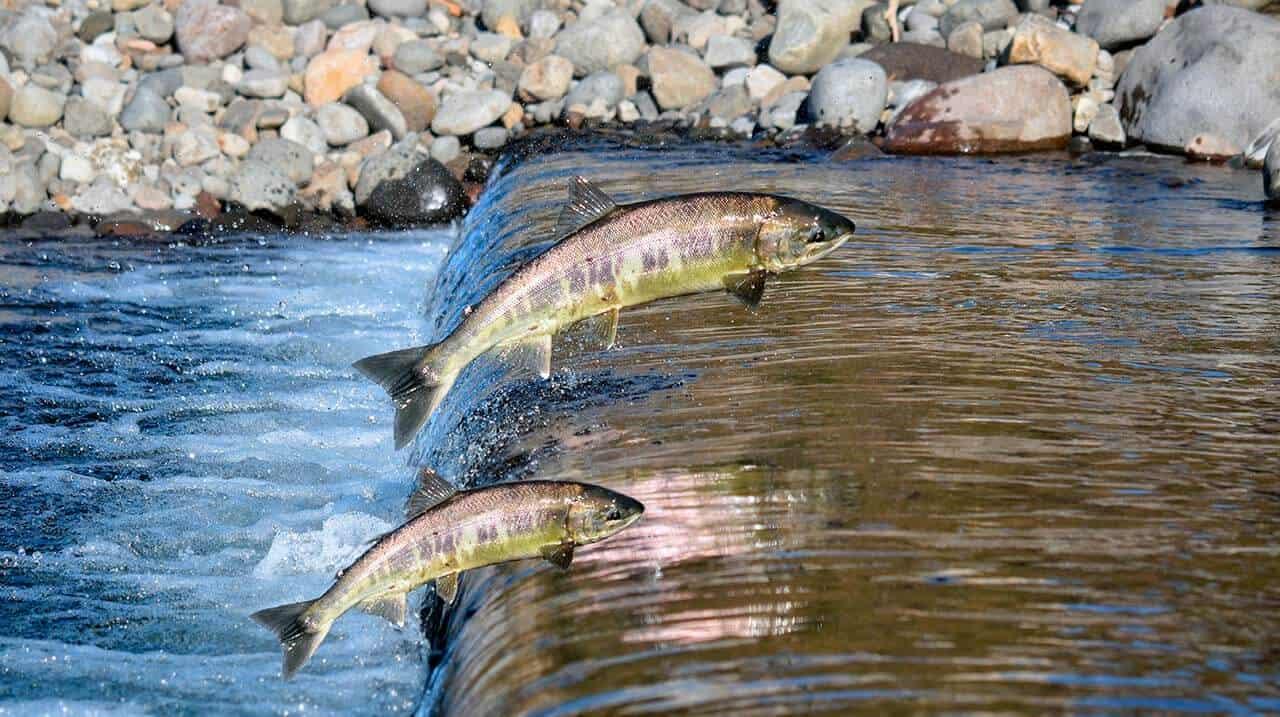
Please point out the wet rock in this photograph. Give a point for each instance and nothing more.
(294, 160)
(489, 138)
(966, 40)
(1018, 108)
(1040, 41)
(259, 184)
(909, 61)
(297, 12)
(398, 8)
(207, 30)
(612, 39)
(991, 14)
(605, 86)
(546, 79)
(341, 124)
(446, 149)
(810, 33)
(1210, 147)
(416, 56)
(727, 51)
(34, 106)
(332, 73)
(1117, 23)
(381, 113)
(1271, 173)
(1210, 72)
(463, 113)
(403, 188)
(679, 79)
(849, 93)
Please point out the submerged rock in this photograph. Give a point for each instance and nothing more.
(1012, 109)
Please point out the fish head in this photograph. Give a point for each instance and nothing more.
(798, 233)
(599, 513)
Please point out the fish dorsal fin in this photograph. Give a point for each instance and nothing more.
(388, 606)
(447, 587)
(747, 288)
(432, 490)
(559, 555)
(587, 203)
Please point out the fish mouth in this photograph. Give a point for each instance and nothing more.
(822, 251)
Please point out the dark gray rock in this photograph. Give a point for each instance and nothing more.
(991, 14)
(1210, 72)
(380, 112)
(1116, 23)
(163, 83)
(402, 188)
(601, 44)
(293, 159)
(848, 93)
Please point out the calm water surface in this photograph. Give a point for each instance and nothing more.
(1014, 448)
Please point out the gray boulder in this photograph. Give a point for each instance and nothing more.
(810, 33)
(294, 160)
(1115, 23)
(991, 14)
(1211, 72)
(849, 93)
(258, 184)
(610, 40)
(401, 187)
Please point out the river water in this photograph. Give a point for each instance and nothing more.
(1013, 448)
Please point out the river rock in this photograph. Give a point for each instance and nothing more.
(416, 56)
(34, 106)
(331, 73)
(910, 61)
(463, 113)
(101, 198)
(264, 84)
(729, 103)
(810, 33)
(726, 51)
(297, 12)
(154, 24)
(494, 10)
(296, 161)
(1018, 108)
(966, 40)
(444, 149)
(605, 86)
(489, 138)
(305, 132)
(1212, 71)
(308, 41)
(1271, 173)
(259, 184)
(991, 14)
(341, 124)
(31, 38)
(491, 47)
(398, 8)
(658, 17)
(146, 112)
(546, 79)
(207, 30)
(679, 79)
(196, 145)
(94, 25)
(29, 192)
(612, 39)
(416, 103)
(1040, 41)
(1117, 23)
(400, 187)
(380, 112)
(6, 96)
(86, 120)
(849, 93)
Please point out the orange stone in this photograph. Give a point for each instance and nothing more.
(416, 103)
(509, 26)
(331, 73)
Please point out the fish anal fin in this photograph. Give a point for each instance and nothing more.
(559, 555)
(603, 327)
(747, 288)
(587, 203)
(447, 587)
(388, 606)
(431, 490)
(533, 352)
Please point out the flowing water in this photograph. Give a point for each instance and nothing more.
(1013, 448)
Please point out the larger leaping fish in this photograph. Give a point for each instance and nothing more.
(449, 532)
(611, 257)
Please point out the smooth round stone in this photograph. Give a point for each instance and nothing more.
(465, 112)
(849, 93)
(345, 14)
(415, 57)
(608, 41)
(603, 85)
(341, 124)
(265, 84)
(34, 106)
(31, 39)
(86, 120)
(490, 138)
(398, 8)
(445, 149)
(543, 24)
(306, 133)
(154, 24)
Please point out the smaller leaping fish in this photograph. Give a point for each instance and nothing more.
(450, 531)
(611, 257)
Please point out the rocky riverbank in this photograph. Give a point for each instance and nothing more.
(146, 115)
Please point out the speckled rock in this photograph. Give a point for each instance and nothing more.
(207, 30)
(601, 44)
(261, 185)
(296, 161)
(849, 93)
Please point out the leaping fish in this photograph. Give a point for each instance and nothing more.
(448, 532)
(611, 257)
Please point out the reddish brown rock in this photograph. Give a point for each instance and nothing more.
(910, 61)
(1012, 109)
(416, 103)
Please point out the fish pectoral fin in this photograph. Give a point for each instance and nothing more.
(388, 606)
(430, 491)
(587, 203)
(603, 327)
(560, 555)
(533, 352)
(447, 587)
(747, 288)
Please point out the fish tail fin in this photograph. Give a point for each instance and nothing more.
(298, 638)
(414, 384)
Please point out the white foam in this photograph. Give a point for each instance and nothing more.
(334, 546)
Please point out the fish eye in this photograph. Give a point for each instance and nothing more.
(817, 234)
(613, 514)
